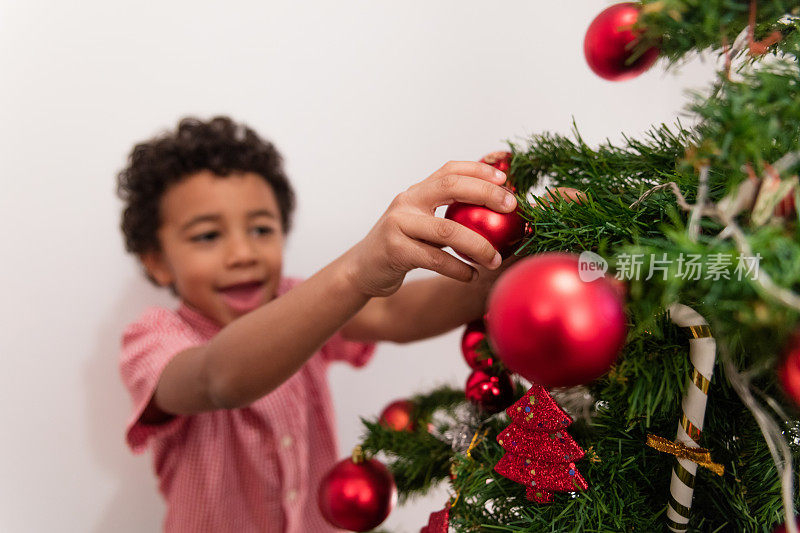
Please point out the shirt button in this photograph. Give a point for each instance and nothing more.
(291, 495)
(287, 441)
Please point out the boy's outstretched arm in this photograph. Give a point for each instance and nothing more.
(424, 308)
(257, 352)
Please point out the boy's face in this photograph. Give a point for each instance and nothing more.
(221, 243)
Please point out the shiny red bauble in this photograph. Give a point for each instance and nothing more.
(489, 393)
(789, 369)
(502, 230)
(786, 207)
(783, 529)
(474, 334)
(548, 325)
(357, 496)
(398, 416)
(607, 44)
(499, 160)
(502, 162)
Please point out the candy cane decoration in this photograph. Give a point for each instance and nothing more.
(702, 353)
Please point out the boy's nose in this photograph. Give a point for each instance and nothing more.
(240, 251)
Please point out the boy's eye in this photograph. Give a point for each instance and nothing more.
(211, 235)
(206, 237)
(263, 230)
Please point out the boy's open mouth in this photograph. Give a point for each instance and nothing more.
(244, 296)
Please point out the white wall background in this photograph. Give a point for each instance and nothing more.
(364, 98)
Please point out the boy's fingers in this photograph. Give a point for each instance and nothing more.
(443, 232)
(471, 168)
(432, 258)
(452, 188)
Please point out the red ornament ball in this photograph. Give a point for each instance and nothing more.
(398, 416)
(499, 160)
(474, 333)
(502, 230)
(548, 325)
(782, 528)
(357, 496)
(607, 44)
(786, 207)
(789, 369)
(489, 393)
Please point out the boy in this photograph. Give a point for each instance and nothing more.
(230, 389)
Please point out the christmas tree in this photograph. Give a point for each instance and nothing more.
(692, 426)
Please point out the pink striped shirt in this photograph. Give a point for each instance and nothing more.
(251, 469)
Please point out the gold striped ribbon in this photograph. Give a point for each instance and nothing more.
(690, 429)
(686, 477)
(700, 381)
(700, 331)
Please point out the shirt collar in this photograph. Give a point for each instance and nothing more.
(198, 320)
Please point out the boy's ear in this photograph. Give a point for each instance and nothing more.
(154, 262)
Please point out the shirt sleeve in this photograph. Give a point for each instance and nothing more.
(357, 353)
(147, 346)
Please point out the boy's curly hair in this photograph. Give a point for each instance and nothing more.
(219, 145)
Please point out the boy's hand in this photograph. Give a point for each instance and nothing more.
(409, 236)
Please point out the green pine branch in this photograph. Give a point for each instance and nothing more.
(683, 27)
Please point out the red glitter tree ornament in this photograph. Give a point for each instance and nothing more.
(439, 522)
(540, 454)
(608, 44)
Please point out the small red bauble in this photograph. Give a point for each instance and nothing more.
(489, 393)
(499, 160)
(398, 416)
(548, 325)
(502, 230)
(502, 162)
(789, 369)
(782, 528)
(606, 45)
(357, 496)
(786, 207)
(474, 333)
